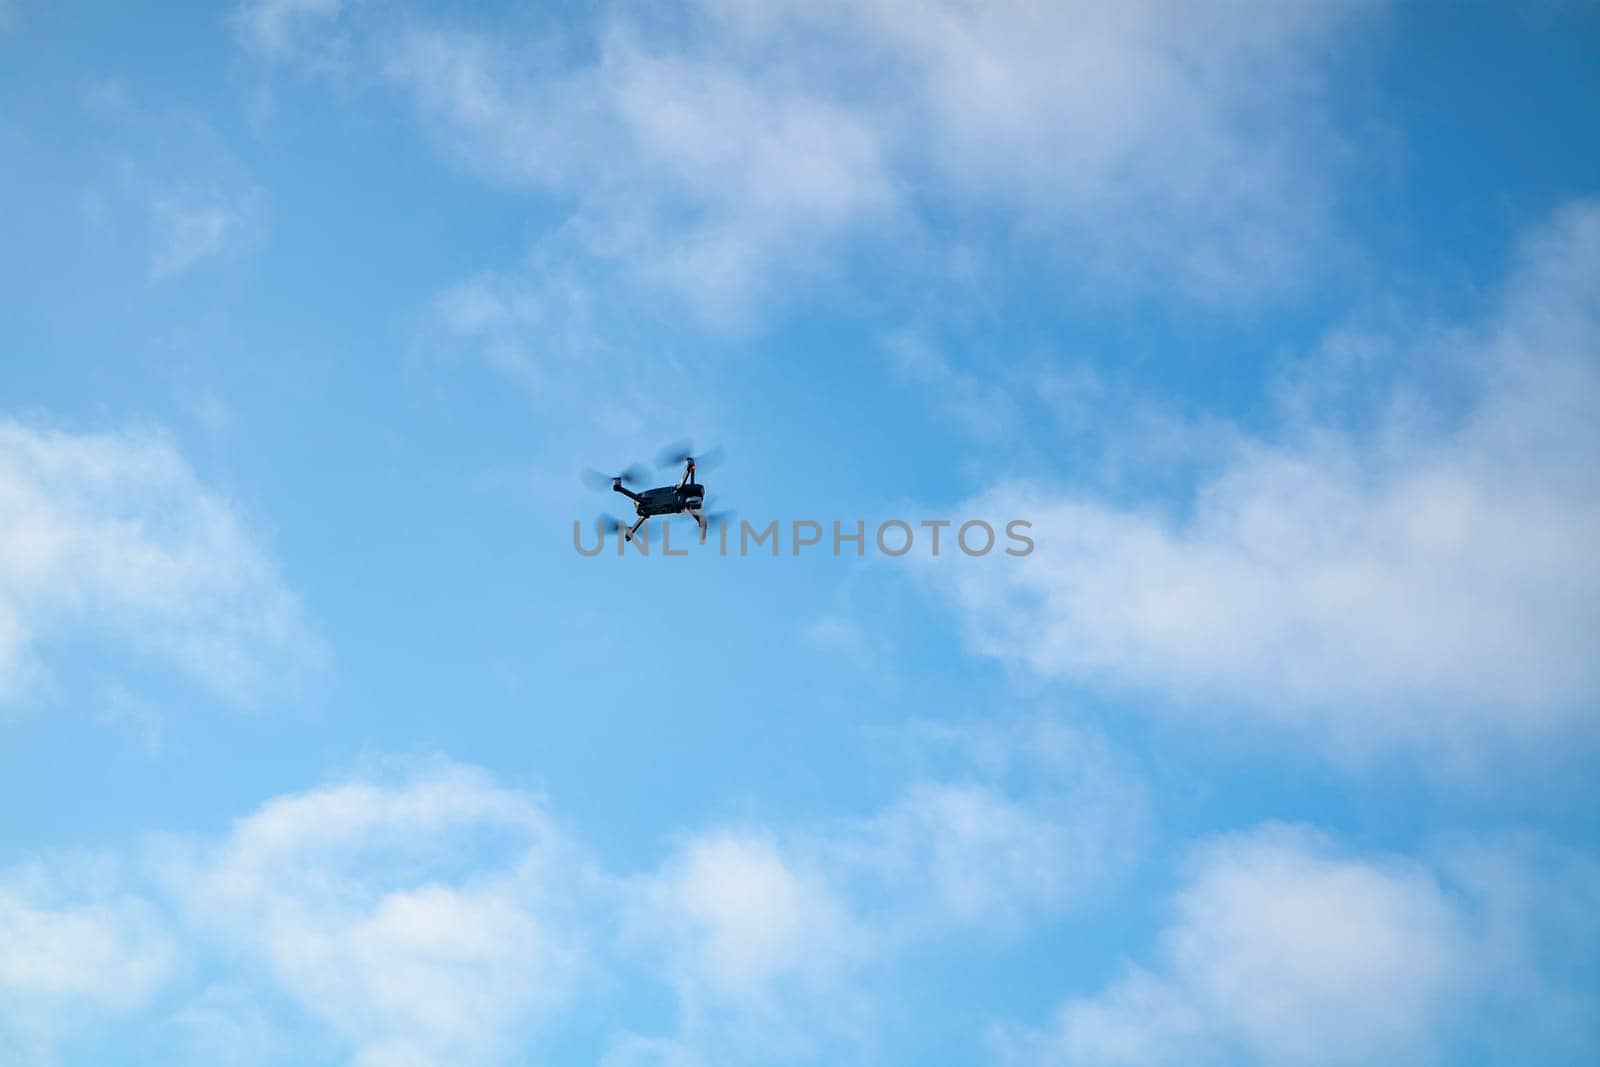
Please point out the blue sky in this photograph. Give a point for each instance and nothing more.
(1280, 323)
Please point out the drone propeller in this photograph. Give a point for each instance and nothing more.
(608, 524)
(634, 475)
(676, 455)
(715, 518)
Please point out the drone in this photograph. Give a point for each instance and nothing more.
(688, 497)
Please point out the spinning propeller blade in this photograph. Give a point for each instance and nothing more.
(681, 452)
(715, 518)
(719, 518)
(634, 475)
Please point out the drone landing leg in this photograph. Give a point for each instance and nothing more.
(635, 527)
(700, 520)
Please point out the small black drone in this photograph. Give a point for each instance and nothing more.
(688, 497)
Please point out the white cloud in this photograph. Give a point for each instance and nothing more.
(1034, 819)
(1431, 584)
(427, 921)
(1170, 143)
(727, 152)
(978, 404)
(769, 937)
(582, 359)
(73, 952)
(528, 332)
(437, 917)
(431, 916)
(970, 854)
(112, 535)
(741, 916)
(1286, 951)
(715, 185)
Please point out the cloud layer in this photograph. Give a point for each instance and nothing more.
(1285, 949)
(112, 535)
(422, 921)
(428, 915)
(720, 152)
(781, 933)
(74, 951)
(1430, 583)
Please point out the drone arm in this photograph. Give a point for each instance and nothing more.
(616, 484)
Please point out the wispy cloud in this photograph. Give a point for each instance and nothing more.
(190, 226)
(1284, 948)
(729, 154)
(298, 30)
(174, 180)
(696, 178)
(424, 913)
(765, 931)
(271, 24)
(1429, 584)
(112, 536)
(74, 949)
(531, 332)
